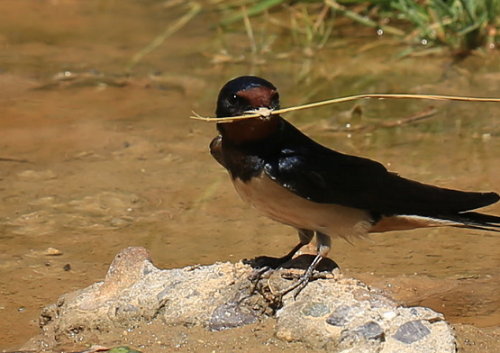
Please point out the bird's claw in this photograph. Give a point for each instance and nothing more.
(298, 286)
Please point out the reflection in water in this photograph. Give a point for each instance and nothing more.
(102, 159)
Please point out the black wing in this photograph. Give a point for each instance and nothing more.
(321, 175)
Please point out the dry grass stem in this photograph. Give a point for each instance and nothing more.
(265, 113)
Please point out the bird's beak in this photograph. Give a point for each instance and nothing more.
(264, 112)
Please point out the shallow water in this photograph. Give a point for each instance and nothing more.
(95, 158)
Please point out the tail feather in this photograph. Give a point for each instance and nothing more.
(475, 220)
(470, 226)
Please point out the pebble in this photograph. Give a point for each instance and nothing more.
(411, 332)
(52, 252)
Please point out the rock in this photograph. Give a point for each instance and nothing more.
(50, 251)
(333, 313)
(359, 319)
(411, 332)
(231, 315)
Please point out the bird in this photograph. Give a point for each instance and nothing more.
(322, 193)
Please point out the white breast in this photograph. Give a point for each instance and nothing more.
(280, 204)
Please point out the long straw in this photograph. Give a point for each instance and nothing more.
(265, 113)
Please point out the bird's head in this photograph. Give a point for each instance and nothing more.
(242, 95)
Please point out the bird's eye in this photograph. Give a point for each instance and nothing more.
(233, 100)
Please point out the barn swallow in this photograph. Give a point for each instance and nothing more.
(292, 179)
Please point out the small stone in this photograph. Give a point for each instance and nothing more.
(371, 331)
(119, 222)
(339, 317)
(230, 315)
(127, 310)
(411, 332)
(316, 310)
(389, 315)
(52, 252)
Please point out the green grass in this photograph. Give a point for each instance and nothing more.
(460, 25)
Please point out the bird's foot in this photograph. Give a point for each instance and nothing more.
(299, 285)
(258, 274)
(260, 283)
(265, 267)
(318, 262)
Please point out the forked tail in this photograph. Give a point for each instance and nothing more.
(475, 220)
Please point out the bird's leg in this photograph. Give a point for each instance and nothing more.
(323, 247)
(265, 264)
(268, 263)
(305, 237)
